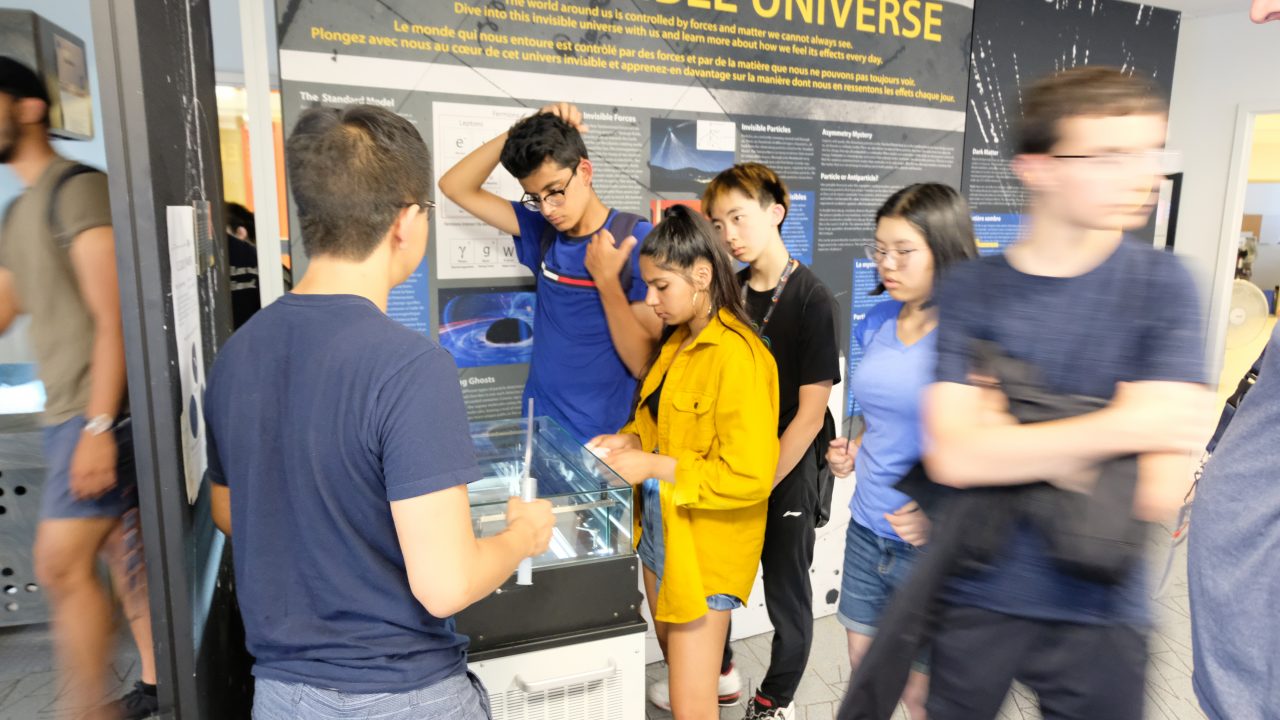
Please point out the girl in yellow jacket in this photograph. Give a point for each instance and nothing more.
(700, 451)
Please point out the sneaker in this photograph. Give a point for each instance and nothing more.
(140, 702)
(761, 708)
(729, 689)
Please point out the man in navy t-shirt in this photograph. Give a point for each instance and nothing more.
(592, 334)
(1233, 559)
(1098, 315)
(339, 452)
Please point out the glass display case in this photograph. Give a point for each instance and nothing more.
(591, 503)
(585, 587)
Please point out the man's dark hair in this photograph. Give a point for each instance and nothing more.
(539, 138)
(1089, 91)
(352, 170)
(21, 82)
(239, 216)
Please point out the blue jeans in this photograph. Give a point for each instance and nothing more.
(873, 568)
(461, 697)
(652, 550)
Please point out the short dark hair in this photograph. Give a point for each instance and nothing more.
(239, 216)
(942, 216)
(539, 138)
(351, 170)
(20, 81)
(756, 181)
(1088, 91)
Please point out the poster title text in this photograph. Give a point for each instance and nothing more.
(900, 18)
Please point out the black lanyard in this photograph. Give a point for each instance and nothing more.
(792, 264)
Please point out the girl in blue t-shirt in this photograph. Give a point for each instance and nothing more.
(920, 231)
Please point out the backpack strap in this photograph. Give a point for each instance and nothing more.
(52, 221)
(620, 225)
(1233, 403)
(4, 219)
(623, 226)
(66, 176)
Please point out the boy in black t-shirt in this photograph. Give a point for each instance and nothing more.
(1096, 316)
(795, 314)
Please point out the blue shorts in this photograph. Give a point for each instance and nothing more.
(873, 568)
(462, 697)
(652, 550)
(56, 500)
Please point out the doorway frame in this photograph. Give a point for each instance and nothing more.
(1229, 231)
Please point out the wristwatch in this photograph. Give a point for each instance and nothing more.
(99, 425)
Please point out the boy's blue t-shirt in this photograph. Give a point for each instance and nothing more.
(576, 375)
(1134, 317)
(888, 382)
(320, 412)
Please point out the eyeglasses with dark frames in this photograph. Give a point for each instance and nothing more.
(554, 198)
(427, 206)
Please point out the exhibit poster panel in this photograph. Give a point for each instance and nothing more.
(848, 100)
(865, 281)
(1017, 42)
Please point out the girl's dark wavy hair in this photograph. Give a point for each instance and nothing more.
(684, 237)
(941, 214)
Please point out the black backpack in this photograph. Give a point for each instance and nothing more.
(1233, 402)
(826, 478)
(621, 226)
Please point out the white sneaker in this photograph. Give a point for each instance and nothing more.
(729, 689)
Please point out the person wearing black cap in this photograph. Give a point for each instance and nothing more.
(57, 263)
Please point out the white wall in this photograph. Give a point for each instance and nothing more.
(228, 52)
(1262, 198)
(1266, 267)
(1223, 61)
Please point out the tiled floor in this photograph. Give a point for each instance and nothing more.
(1169, 695)
(29, 687)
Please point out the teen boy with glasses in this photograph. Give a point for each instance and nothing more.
(593, 334)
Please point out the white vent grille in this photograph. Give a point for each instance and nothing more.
(594, 700)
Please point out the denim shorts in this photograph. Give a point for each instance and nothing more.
(652, 550)
(874, 567)
(56, 500)
(461, 697)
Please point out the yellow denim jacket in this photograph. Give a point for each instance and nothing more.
(718, 417)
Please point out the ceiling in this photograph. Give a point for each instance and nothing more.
(1203, 7)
